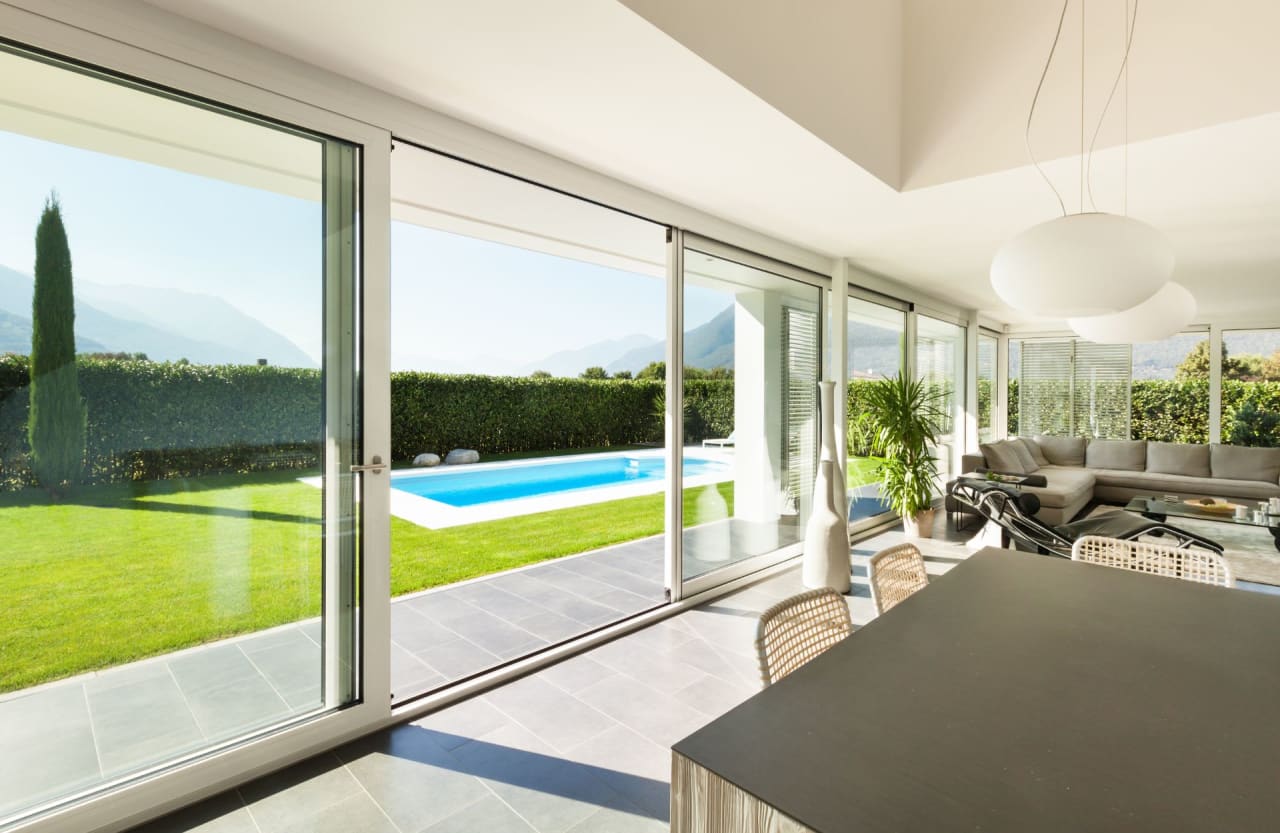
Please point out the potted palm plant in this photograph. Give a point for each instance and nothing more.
(903, 420)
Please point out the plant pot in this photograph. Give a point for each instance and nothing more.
(919, 526)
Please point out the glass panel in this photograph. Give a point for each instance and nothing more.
(876, 338)
(1013, 425)
(986, 387)
(1251, 387)
(1171, 389)
(748, 470)
(177, 411)
(940, 362)
(528, 332)
(1073, 388)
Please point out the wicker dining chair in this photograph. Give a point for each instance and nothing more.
(1198, 565)
(895, 574)
(797, 629)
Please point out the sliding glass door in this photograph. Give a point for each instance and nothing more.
(751, 362)
(876, 342)
(940, 363)
(178, 426)
(527, 389)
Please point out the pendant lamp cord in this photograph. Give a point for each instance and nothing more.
(1031, 114)
(1130, 24)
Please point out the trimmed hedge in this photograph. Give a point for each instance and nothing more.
(155, 420)
(1178, 411)
(505, 414)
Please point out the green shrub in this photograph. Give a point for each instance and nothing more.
(1170, 411)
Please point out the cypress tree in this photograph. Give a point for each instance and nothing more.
(56, 423)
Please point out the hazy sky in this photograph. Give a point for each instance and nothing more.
(455, 300)
(493, 307)
(133, 223)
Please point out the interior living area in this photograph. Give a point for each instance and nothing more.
(615, 416)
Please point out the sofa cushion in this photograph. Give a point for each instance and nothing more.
(1019, 447)
(1239, 463)
(1002, 458)
(1127, 455)
(1066, 485)
(1186, 487)
(1037, 453)
(1191, 459)
(1062, 451)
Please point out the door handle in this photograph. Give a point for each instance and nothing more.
(375, 466)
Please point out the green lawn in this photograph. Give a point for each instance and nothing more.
(123, 572)
(862, 471)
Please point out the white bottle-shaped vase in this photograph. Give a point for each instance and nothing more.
(827, 449)
(826, 538)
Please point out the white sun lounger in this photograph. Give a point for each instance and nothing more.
(720, 443)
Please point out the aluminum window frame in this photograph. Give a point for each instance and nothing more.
(212, 771)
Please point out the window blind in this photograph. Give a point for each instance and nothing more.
(1075, 388)
(800, 402)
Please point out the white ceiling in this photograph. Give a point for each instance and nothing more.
(705, 120)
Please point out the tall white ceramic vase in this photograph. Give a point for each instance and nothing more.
(826, 538)
(827, 449)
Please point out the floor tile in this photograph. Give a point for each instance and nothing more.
(490, 815)
(456, 658)
(576, 673)
(224, 813)
(354, 814)
(49, 746)
(552, 627)
(293, 667)
(549, 792)
(413, 779)
(460, 723)
(140, 717)
(713, 696)
(610, 820)
(497, 636)
(555, 716)
(300, 793)
(657, 716)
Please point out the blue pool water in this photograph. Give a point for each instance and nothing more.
(470, 487)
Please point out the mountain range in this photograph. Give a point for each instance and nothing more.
(165, 324)
(873, 351)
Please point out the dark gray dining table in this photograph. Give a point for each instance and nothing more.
(1016, 693)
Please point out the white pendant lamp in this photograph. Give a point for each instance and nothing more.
(1086, 264)
(1082, 264)
(1162, 315)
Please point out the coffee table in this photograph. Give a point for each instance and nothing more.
(1158, 509)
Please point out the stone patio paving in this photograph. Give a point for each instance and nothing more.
(74, 734)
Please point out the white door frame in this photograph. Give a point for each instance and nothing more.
(182, 783)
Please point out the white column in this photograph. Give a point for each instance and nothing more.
(1001, 391)
(757, 355)
(1215, 383)
(969, 440)
(838, 357)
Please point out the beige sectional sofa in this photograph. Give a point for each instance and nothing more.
(1077, 471)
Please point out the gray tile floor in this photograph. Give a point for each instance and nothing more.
(75, 733)
(453, 632)
(580, 746)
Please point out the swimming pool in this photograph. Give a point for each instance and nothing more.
(470, 486)
(455, 495)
